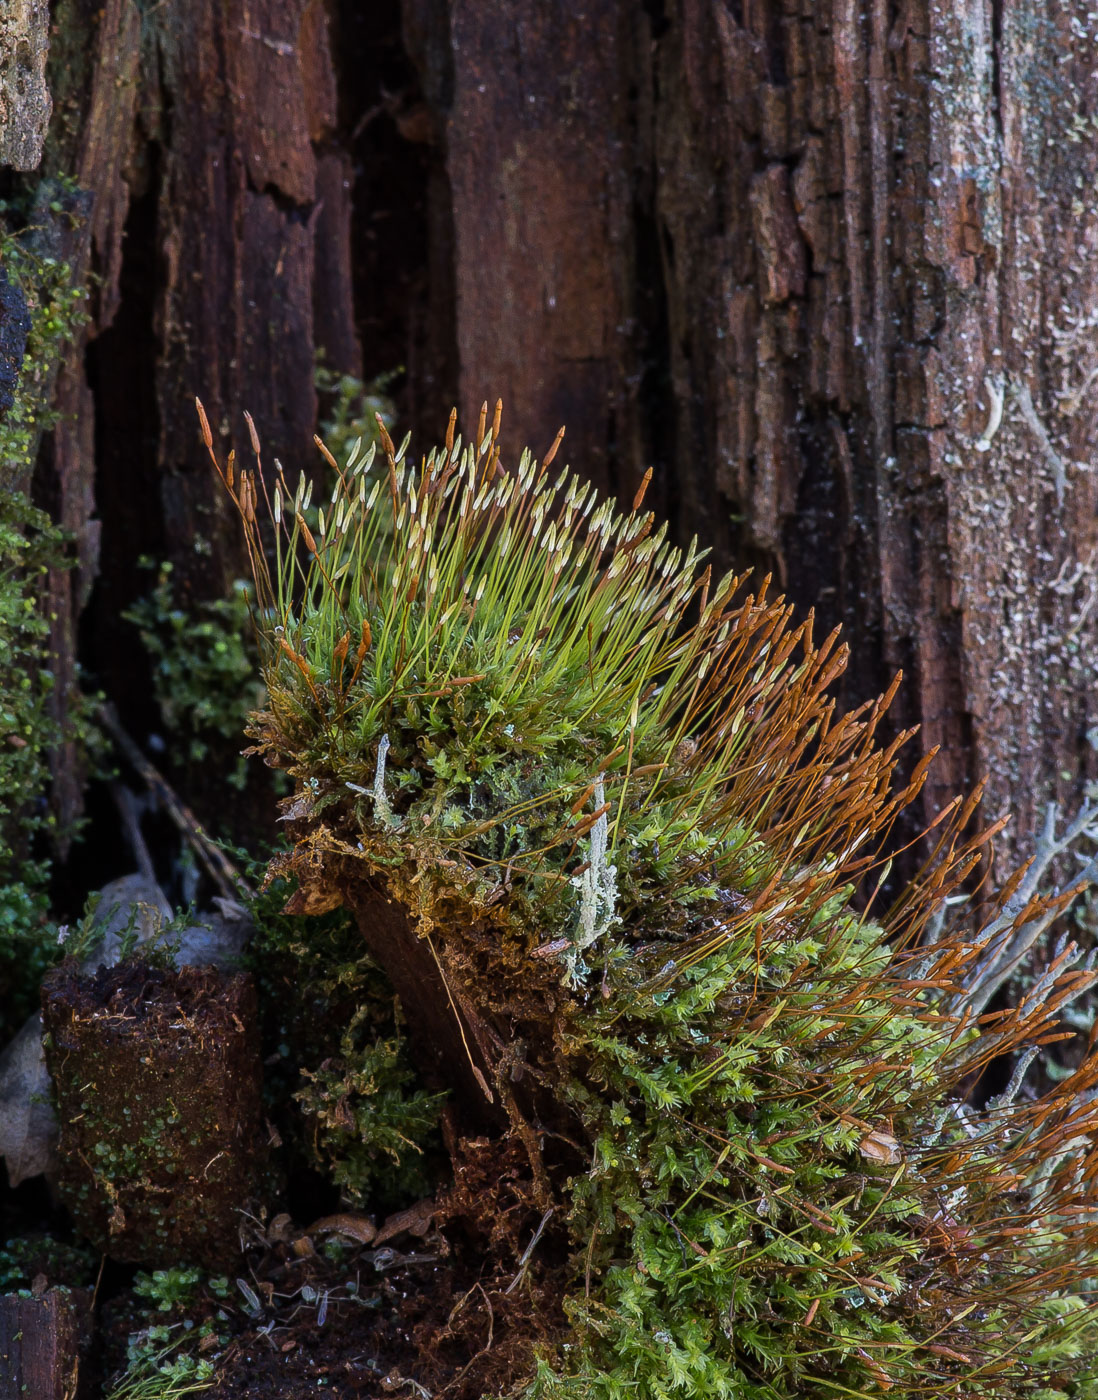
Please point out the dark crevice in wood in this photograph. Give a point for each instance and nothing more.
(655, 391)
(658, 18)
(401, 231)
(121, 366)
(996, 57)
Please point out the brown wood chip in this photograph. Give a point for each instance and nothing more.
(356, 1227)
(416, 1220)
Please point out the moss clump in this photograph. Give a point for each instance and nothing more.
(367, 1121)
(31, 730)
(597, 819)
(339, 1081)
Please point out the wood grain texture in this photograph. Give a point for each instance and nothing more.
(41, 1340)
(774, 251)
(216, 235)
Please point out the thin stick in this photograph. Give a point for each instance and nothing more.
(529, 1251)
(219, 867)
(126, 801)
(461, 1029)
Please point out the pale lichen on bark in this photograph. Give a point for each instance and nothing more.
(25, 103)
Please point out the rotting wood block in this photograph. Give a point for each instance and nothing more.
(158, 1090)
(42, 1340)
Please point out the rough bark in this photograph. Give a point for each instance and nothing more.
(42, 1339)
(217, 118)
(917, 232)
(217, 219)
(772, 251)
(775, 251)
(24, 97)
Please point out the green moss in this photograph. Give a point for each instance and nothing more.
(616, 799)
(368, 1122)
(335, 1046)
(727, 1173)
(168, 1289)
(203, 664)
(58, 308)
(30, 545)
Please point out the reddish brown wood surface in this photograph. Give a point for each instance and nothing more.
(772, 251)
(787, 243)
(216, 222)
(41, 1340)
(219, 117)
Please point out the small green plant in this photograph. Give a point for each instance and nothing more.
(23, 1258)
(158, 1368)
(161, 1358)
(336, 1047)
(30, 546)
(57, 307)
(598, 819)
(30, 732)
(368, 1122)
(203, 669)
(168, 1289)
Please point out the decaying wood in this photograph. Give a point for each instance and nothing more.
(828, 268)
(241, 187)
(449, 1039)
(24, 97)
(41, 1340)
(789, 255)
(539, 195)
(212, 236)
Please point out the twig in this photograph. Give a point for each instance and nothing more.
(126, 802)
(1006, 942)
(529, 1251)
(218, 866)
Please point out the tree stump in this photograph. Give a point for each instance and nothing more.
(158, 1092)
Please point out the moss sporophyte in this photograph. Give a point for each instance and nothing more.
(599, 822)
